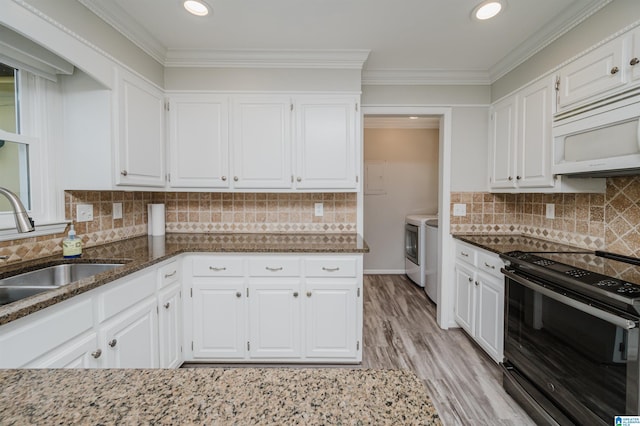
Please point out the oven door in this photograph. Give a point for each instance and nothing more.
(580, 355)
(411, 243)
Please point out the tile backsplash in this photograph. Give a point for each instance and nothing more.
(608, 221)
(200, 212)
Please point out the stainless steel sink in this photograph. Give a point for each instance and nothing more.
(27, 284)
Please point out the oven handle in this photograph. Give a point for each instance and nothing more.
(624, 323)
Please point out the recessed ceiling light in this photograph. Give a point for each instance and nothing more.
(413, 117)
(487, 10)
(196, 7)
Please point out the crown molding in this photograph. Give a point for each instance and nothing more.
(553, 30)
(266, 58)
(389, 122)
(128, 27)
(393, 77)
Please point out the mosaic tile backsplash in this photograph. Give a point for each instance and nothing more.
(195, 212)
(609, 221)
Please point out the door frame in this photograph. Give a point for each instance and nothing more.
(444, 310)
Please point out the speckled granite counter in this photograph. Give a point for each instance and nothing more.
(212, 396)
(140, 252)
(509, 242)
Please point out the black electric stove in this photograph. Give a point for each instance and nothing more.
(607, 277)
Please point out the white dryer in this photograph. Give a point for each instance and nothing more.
(417, 249)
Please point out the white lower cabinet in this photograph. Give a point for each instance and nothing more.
(130, 339)
(170, 326)
(79, 353)
(273, 308)
(479, 297)
(274, 319)
(219, 319)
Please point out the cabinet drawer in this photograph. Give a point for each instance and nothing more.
(217, 266)
(274, 266)
(490, 263)
(466, 254)
(126, 293)
(169, 274)
(330, 267)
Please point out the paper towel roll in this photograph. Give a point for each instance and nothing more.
(156, 219)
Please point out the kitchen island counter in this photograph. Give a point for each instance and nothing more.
(215, 396)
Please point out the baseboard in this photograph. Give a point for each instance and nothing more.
(384, 271)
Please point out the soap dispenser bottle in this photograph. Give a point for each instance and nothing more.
(71, 246)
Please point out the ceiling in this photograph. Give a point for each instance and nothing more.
(406, 41)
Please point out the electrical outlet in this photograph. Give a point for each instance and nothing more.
(550, 211)
(117, 210)
(319, 209)
(84, 212)
(459, 209)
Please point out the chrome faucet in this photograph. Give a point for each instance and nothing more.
(23, 222)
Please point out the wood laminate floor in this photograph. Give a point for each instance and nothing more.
(400, 332)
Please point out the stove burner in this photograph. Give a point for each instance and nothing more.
(544, 262)
(578, 273)
(608, 283)
(629, 288)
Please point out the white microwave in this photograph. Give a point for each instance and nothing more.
(599, 142)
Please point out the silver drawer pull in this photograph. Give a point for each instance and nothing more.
(331, 269)
(171, 274)
(167, 305)
(96, 354)
(295, 294)
(489, 266)
(113, 343)
(470, 279)
(216, 269)
(464, 253)
(273, 269)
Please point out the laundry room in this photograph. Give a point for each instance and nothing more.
(401, 178)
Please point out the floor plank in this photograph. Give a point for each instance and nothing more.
(400, 331)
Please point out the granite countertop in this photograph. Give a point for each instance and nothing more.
(215, 396)
(504, 243)
(140, 252)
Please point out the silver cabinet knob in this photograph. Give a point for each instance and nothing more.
(470, 279)
(477, 283)
(299, 179)
(124, 173)
(510, 177)
(235, 178)
(634, 61)
(295, 294)
(238, 294)
(167, 305)
(96, 354)
(224, 178)
(113, 343)
(308, 294)
(614, 70)
(518, 177)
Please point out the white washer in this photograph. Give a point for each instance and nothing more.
(416, 249)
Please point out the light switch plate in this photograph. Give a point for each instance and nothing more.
(550, 211)
(459, 209)
(84, 212)
(319, 209)
(117, 210)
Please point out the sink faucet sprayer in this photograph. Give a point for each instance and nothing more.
(23, 222)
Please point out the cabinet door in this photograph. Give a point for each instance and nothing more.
(490, 315)
(219, 319)
(535, 112)
(274, 319)
(170, 327)
(262, 142)
(79, 353)
(592, 75)
(634, 59)
(464, 307)
(199, 141)
(130, 339)
(502, 148)
(140, 147)
(326, 142)
(330, 319)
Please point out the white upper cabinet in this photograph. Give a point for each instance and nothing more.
(325, 141)
(140, 130)
(503, 144)
(634, 57)
(261, 140)
(199, 141)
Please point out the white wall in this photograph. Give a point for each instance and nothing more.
(411, 186)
